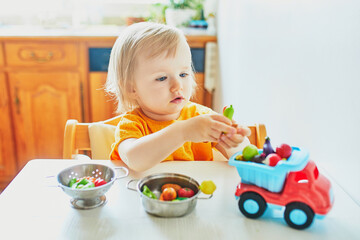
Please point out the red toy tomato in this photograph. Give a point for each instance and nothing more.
(186, 192)
(284, 150)
(168, 194)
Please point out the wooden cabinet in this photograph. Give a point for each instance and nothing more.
(7, 147)
(41, 86)
(102, 105)
(41, 54)
(42, 102)
(1, 55)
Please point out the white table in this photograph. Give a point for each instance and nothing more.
(30, 209)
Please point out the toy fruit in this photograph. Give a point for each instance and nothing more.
(284, 150)
(272, 159)
(185, 193)
(267, 148)
(207, 187)
(258, 158)
(228, 112)
(169, 194)
(249, 152)
(172, 185)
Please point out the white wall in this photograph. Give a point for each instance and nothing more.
(295, 66)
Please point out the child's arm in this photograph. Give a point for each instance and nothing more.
(229, 144)
(145, 152)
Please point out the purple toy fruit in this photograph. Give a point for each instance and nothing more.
(267, 148)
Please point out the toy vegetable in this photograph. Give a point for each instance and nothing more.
(99, 182)
(83, 184)
(72, 182)
(228, 112)
(186, 192)
(147, 192)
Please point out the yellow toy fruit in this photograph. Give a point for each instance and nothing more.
(207, 187)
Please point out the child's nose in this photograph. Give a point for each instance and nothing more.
(176, 84)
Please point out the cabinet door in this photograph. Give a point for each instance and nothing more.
(102, 106)
(7, 146)
(1, 55)
(41, 104)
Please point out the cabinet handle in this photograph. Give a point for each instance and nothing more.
(17, 101)
(41, 59)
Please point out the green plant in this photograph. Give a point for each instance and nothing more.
(157, 11)
(197, 5)
(186, 4)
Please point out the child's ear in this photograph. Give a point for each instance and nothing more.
(133, 93)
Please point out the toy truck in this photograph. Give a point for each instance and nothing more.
(294, 184)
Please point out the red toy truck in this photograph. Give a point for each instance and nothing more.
(295, 184)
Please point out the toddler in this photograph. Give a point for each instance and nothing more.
(151, 76)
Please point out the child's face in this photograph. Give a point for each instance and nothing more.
(163, 85)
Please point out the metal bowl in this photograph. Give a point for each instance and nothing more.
(91, 197)
(167, 208)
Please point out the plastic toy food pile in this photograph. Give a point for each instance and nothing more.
(174, 192)
(86, 182)
(268, 156)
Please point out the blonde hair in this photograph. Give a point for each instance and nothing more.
(156, 39)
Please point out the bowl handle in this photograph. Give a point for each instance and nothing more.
(125, 170)
(205, 198)
(128, 184)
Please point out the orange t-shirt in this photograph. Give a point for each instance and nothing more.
(136, 124)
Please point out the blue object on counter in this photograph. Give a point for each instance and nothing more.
(198, 24)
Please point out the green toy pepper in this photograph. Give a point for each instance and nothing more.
(83, 184)
(72, 182)
(228, 112)
(147, 192)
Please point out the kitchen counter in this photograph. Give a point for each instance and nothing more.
(81, 31)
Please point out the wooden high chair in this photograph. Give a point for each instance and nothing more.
(76, 136)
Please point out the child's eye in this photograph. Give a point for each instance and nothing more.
(161, 79)
(183, 74)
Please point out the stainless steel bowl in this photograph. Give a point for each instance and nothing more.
(167, 208)
(91, 197)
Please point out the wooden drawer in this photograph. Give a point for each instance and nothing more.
(1, 55)
(42, 54)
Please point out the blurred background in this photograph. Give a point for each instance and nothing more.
(293, 65)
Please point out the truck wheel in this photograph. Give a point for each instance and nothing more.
(298, 215)
(252, 205)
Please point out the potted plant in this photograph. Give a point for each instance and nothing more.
(178, 13)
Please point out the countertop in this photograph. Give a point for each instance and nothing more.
(81, 31)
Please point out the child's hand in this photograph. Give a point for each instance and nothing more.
(230, 140)
(207, 127)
